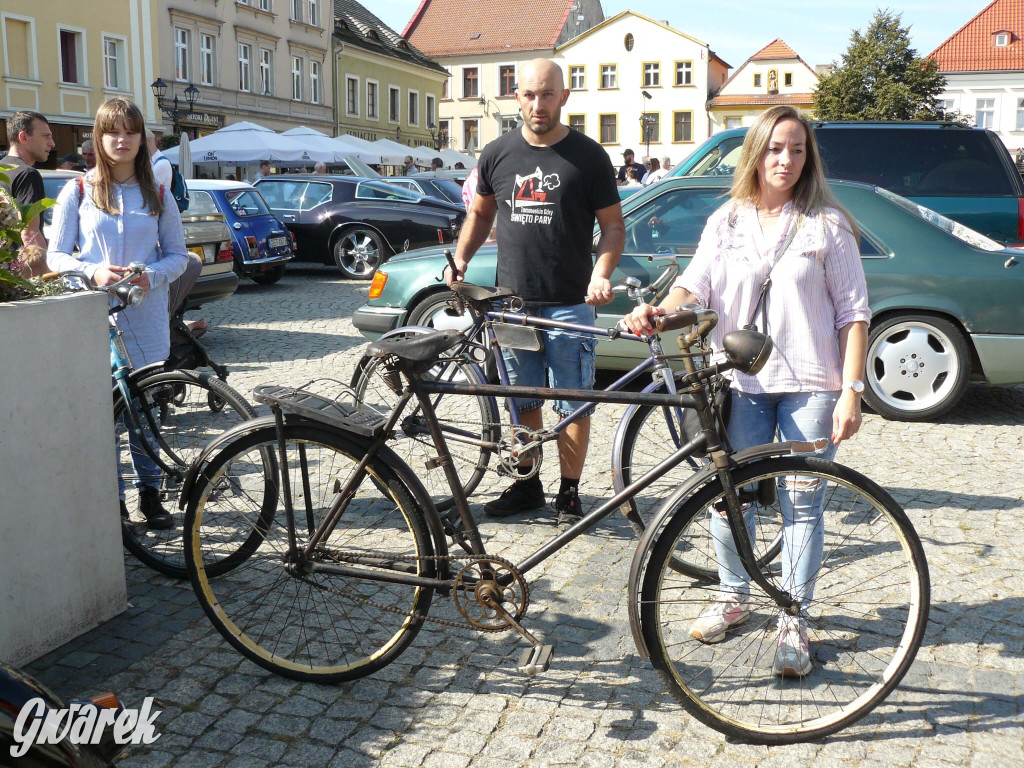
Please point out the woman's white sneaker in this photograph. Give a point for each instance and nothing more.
(793, 653)
(720, 616)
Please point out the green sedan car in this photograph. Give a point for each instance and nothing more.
(946, 300)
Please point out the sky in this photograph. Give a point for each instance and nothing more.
(818, 30)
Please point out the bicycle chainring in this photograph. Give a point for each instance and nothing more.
(484, 581)
(513, 455)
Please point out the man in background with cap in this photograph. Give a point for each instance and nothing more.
(627, 157)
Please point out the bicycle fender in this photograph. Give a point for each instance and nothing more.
(404, 472)
(137, 374)
(649, 539)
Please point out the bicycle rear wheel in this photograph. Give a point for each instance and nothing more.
(865, 621)
(470, 423)
(276, 607)
(651, 434)
(188, 410)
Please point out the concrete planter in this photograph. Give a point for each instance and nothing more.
(61, 563)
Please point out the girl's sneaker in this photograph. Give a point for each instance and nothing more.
(721, 615)
(793, 652)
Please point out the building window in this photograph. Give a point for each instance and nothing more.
(313, 13)
(21, 52)
(72, 49)
(413, 115)
(578, 123)
(296, 12)
(206, 59)
(682, 126)
(508, 124)
(652, 75)
(787, 79)
(947, 106)
(181, 44)
(394, 104)
(684, 73)
(431, 115)
(470, 135)
(651, 128)
(470, 83)
(506, 80)
(244, 67)
(113, 64)
(372, 101)
(314, 83)
(577, 78)
(1002, 39)
(628, 42)
(266, 72)
(608, 76)
(609, 129)
(443, 132)
(352, 95)
(733, 122)
(296, 78)
(444, 87)
(265, 6)
(984, 113)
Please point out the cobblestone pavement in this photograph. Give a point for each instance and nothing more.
(454, 698)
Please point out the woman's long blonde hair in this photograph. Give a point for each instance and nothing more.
(811, 192)
(110, 115)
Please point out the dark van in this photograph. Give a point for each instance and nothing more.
(963, 173)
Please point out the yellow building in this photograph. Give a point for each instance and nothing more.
(65, 59)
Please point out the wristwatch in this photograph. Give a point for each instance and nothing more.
(856, 385)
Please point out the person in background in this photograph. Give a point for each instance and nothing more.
(631, 178)
(320, 168)
(653, 166)
(264, 170)
(782, 221)
(436, 164)
(116, 215)
(459, 166)
(31, 143)
(660, 169)
(549, 259)
(71, 162)
(408, 166)
(88, 154)
(179, 289)
(627, 158)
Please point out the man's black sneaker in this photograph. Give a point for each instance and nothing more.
(568, 507)
(157, 518)
(521, 496)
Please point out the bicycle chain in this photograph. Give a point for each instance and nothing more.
(415, 558)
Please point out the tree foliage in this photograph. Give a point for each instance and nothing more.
(881, 78)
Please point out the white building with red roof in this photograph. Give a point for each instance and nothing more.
(482, 44)
(983, 63)
(774, 75)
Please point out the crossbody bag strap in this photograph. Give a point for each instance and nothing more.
(762, 305)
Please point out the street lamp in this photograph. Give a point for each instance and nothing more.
(170, 107)
(484, 101)
(647, 123)
(435, 136)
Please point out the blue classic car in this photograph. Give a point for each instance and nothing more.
(260, 244)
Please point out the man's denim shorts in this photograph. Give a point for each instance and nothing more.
(568, 357)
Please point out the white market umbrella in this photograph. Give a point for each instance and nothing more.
(392, 153)
(453, 156)
(247, 143)
(316, 141)
(185, 157)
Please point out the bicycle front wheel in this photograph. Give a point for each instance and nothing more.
(470, 423)
(180, 412)
(864, 621)
(283, 609)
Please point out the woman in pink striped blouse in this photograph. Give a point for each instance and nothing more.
(817, 315)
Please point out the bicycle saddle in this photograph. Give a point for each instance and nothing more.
(424, 348)
(748, 351)
(481, 292)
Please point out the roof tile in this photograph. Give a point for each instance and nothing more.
(776, 49)
(972, 48)
(452, 27)
(741, 99)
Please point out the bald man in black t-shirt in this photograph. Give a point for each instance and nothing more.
(546, 185)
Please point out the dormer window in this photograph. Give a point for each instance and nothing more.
(1002, 39)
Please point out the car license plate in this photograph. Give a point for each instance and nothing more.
(277, 242)
(198, 251)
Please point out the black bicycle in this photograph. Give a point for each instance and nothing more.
(345, 573)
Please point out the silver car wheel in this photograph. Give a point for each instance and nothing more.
(359, 252)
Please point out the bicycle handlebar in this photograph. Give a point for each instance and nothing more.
(127, 295)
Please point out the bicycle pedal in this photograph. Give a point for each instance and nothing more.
(536, 659)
